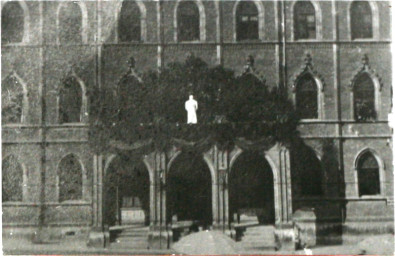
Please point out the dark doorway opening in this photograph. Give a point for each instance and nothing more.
(189, 191)
(127, 192)
(251, 190)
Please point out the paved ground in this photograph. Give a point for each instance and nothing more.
(78, 246)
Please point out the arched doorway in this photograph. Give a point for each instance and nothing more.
(251, 190)
(126, 192)
(189, 193)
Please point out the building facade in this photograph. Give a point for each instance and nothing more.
(332, 58)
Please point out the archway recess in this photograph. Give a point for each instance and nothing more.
(189, 195)
(251, 190)
(126, 191)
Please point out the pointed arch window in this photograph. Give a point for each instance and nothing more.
(307, 97)
(129, 27)
(188, 21)
(70, 27)
(13, 99)
(12, 180)
(12, 23)
(70, 179)
(361, 20)
(247, 21)
(368, 175)
(364, 98)
(304, 20)
(70, 101)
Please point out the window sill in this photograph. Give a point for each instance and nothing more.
(190, 42)
(363, 40)
(16, 44)
(367, 197)
(307, 40)
(310, 120)
(73, 202)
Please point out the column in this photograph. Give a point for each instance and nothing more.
(159, 236)
(98, 235)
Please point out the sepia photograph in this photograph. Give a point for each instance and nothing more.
(197, 127)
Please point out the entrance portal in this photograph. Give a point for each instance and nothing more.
(126, 192)
(189, 191)
(251, 190)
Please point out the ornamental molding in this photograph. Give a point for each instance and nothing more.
(366, 68)
(308, 68)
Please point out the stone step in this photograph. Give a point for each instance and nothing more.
(258, 237)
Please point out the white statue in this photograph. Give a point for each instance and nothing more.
(191, 106)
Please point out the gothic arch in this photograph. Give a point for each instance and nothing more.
(84, 21)
(84, 98)
(83, 175)
(143, 20)
(261, 19)
(377, 82)
(205, 158)
(25, 100)
(318, 20)
(380, 163)
(111, 158)
(25, 174)
(202, 20)
(26, 14)
(375, 20)
(308, 69)
(276, 178)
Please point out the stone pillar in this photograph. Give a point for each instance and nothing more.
(210, 157)
(159, 235)
(284, 233)
(222, 166)
(98, 235)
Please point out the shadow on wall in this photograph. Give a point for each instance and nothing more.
(318, 193)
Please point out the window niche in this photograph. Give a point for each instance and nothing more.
(304, 21)
(12, 23)
(14, 100)
(247, 21)
(12, 180)
(361, 19)
(72, 101)
(129, 24)
(368, 175)
(188, 21)
(70, 176)
(70, 24)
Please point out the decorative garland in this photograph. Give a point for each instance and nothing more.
(147, 112)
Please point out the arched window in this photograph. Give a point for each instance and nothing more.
(12, 97)
(307, 97)
(129, 26)
(364, 98)
(304, 20)
(12, 180)
(188, 21)
(361, 20)
(70, 23)
(70, 179)
(247, 21)
(12, 23)
(368, 175)
(70, 101)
